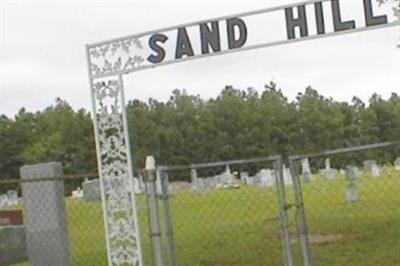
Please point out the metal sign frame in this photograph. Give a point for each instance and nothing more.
(107, 62)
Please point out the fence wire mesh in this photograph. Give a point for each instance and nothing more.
(333, 208)
(225, 213)
(79, 241)
(351, 203)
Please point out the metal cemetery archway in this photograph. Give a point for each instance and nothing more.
(108, 61)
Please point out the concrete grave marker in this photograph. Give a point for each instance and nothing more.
(352, 173)
(306, 171)
(287, 176)
(91, 190)
(12, 197)
(13, 247)
(351, 193)
(328, 173)
(45, 216)
(264, 178)
(397, 163)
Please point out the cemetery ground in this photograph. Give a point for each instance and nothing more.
(229, 227)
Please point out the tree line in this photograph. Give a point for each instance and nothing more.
(188, 129)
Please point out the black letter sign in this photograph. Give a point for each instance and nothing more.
(210, 37)
(337, 18)
(230, 27)
(153, 43)
(370, 20)
(319, 16)
(183, 45)
(291, 22)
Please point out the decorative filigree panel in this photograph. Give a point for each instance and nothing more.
(116, 57)
(118, 197)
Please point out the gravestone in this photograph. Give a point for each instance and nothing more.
(247, 179)
(375, 170)
(367, 165)
(287, 176)
(226, 179)
(352, 173)
(351, 192)
(77, 193)
(3, 200)
(201, 186)
(91, 190)
(327, 163)
(244, 176)
(45, 216)
(264, 178)
(328, 173)
(193, 177)
(306, 171)
(158, 183)
(213, 182)
(12, 197)
(370, 166)
(397, 163)
(136, 185)
(13, 247)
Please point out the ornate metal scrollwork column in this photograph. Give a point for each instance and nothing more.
(115, 170)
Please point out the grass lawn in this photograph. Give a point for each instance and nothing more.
(241, 226)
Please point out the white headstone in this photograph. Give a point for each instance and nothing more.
(78, 193)
(327, 163)
(244, 176)
(193, 177)
(12, 198)
(306, 171)
(352, 173)
(397, 163)
(375, 170)
(158, 182)
(368, 165)
(351, 192)
(328, 173)
(136, 185)
(287, 176)
(3, 200)
(264, 178)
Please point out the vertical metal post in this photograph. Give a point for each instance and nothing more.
(283, 217)
(300, 216)
(155, 228)
(168, 218)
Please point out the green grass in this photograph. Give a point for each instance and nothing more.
(241, 227)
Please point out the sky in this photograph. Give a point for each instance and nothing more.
(42, 54)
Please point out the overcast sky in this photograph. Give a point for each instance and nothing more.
(43, 54)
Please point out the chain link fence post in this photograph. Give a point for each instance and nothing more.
(168, 218)
(300, 216)
(152, 201)
(287, 252)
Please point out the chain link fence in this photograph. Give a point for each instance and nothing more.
(351, 200)
(339, 207)
(226, 213)
(69, 210)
